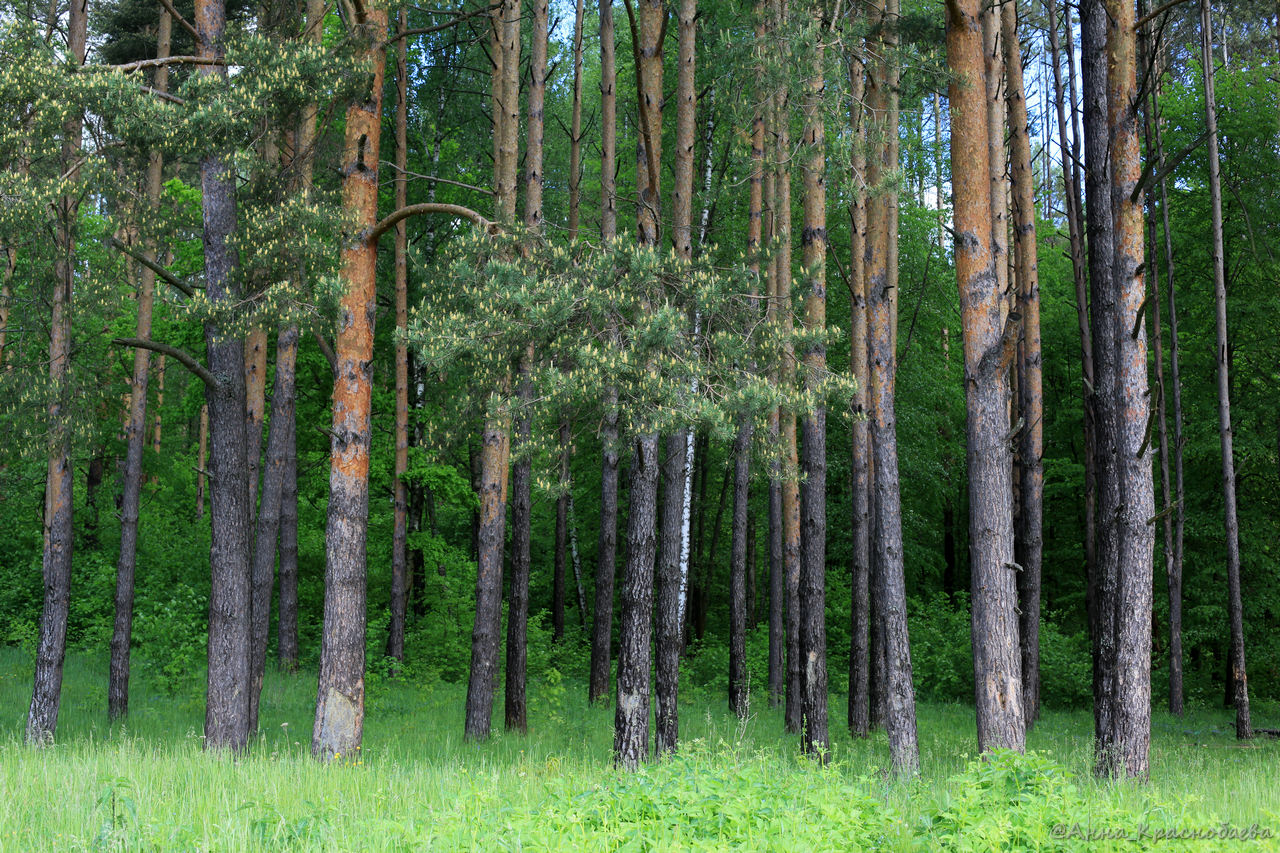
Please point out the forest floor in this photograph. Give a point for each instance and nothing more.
(415, 785)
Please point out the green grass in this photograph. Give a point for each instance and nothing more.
(146, 785)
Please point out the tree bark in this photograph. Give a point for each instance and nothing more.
(202, 454)
(631, 716)
(562, 537)
(401, 580)
(255, 393)
(1174, 576)
(1030, 385)
(668, 644)
(813, 498)
(607, 545)
(515, 704)
(1103, 311)
(988, 351)
(1135, 534)
(575, 125)
(899, 694)
(859, 719)
(46, 694)
(267, 534)
(339, 721)
(136, 430)
(1235, 606)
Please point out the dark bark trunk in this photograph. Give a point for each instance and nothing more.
(401, 579)
(753, 593)
(339, 721)
(46, 694)
(606, 557)
(740, 589)
(227, 699)
(267, 532)
(515, 703)
(1235, 606)
(494, 453)
(1101, 253)
(631, 719)
(668, 644)
(562, 539)
(287, 622)
(859, 718)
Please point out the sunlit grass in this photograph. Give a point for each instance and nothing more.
(147, 784)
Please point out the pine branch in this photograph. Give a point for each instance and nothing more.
(183, 357)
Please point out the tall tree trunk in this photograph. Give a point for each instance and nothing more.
(607, 545)
(673, 551)
(1131, 410)
(136, 430)
(631, 719)
(285, 394)
(777, 571)
(741, 574)
(401, 580)
(1031, 405)
(1093, 66)
(6, 296)
(993, 76)
(790, 517)
(156, 429)
(339, 721)
(1235, 606)
(899, 695)
(495, 450)
(813, 572)
(988, 352)
(227, 700)
(1069, 145)
(859, 606)
(275, 470)
(46, 694)
(1174, 576)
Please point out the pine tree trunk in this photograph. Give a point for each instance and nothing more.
(135, 430)
(897, 690)
(813, 572)
(1031, 405)
(227, 700)
(401, 580)
(202, 454)
(1174, 576)
(859, 719)
(988, 352)
(279, 441)
(1069, 145)
(777, 582)
(1136, 535)
(667, 643)
(562, 538)
(631, 718)
(339, 722)
(1100, 240)
(255, 393)
(515, 704)
(607, 545)
(1235, 606)
(46, 695)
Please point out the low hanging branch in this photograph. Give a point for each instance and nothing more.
(141, 64)
(455, 210)
(181, 356)
(150, 264)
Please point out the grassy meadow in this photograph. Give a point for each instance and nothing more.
(415, 785)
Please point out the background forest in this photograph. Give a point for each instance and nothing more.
(140, 223)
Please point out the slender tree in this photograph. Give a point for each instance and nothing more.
(607, 545)
(813, 573)
(46, 695)
(1031, 404)
(1235, 606)
(136, 428)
